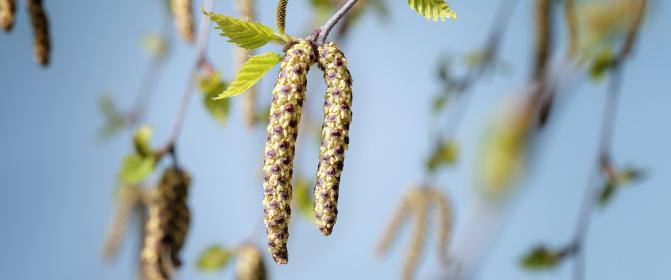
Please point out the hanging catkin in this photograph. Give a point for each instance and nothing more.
(402, 212)
(335, 135)
(416, 246)
(183, 17)
(129, 198)
(41, 44)
(442, 205)
(7, 14)
(167, 225)
(250, 264)
(246, 11)
(285, 114)
(543, 40)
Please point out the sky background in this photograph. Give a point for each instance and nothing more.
(59, 179)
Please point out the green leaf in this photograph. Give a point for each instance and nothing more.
(303, 198)
(135, 168)
(211, 86)
(213, 258)
(142, 141)
(245, 34)
(432, 9)
(606, 193)
(602, 63)
(539, 258)
(250, 73)
(114, 120)
(444, 154)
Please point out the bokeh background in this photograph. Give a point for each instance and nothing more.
(59, 179)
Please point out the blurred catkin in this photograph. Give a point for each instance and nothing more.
(402, 212)
(445, 221)
(7, 14)
(543, 39)
(281, 15)
(250, 264)
(246, 11)
(571, 25)
(129, 199)
(41, 44)
(183, 16)
(282, 130)
(334, 135)
(416, 245)
(167, 225)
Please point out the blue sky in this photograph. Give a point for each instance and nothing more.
(59, 180)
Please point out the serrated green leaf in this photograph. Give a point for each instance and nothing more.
(245, 34)
(135, 168)
(142, 141)
(432, 9)
(303, 198)
(250, 73)
(444, 154)
(211, 86)
(539, 258)
(213, 258)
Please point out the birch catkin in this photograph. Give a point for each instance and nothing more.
(183, 18)
(403, 211)
(128, 199)
(445, 221)
(167, 225)
(335, 135)
(418, 235)
(246, 11)
(41, 44)
(250, 264)
(7, 14)
(285, 114)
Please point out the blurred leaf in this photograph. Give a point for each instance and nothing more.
(630, 175)
(602, 63)
(439, 102)
(622, 177)
(380, 8)
(114, 120)
(244, 34)
(211, 86)
(432, 9)
(213, 258)
(155, 45)
(444, 154)
(250, 73)
(262, 116)
(539, 258)
(475, 58)
(606, 193)
(136, 168)
(303, 198)
(142, 141)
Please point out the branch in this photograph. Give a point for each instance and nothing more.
(200, 61)
(319, 36)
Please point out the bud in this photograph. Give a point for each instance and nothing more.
(183, 17)
(167, 225)
(335, 135)
(7, 14)
(250, 264)
(41, 44)
(285, 114)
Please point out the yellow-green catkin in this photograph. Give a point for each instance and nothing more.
(183, 17)
(402, 212)
(166, 226)
(285, 114)
(41, 43)
(442, 205)
(416, 245)
(246, 10)
(7, 14)
(250, 265)
(335, 135)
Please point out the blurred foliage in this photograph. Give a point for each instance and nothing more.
(540, 258)
(624, 177)
(156, 45)
(444, 154)
(602, 63)
(214, 258)
(136, 167)
(211, 85)
(303, 197)
(114, 119)
(601, 23)
(141, 141)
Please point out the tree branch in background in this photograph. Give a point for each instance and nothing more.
(319, 36)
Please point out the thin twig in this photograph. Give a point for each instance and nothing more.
(326, 28)
(200, 61)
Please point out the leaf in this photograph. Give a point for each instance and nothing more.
(539, 258)
(606, 193)
(432, 9)
(602, 63)
(303, 198)
(114, 120)
(141, 141)
(135, 168)
(211, 86)
(444, 154)
(213, 258)
(245, 34)
(250, 73)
